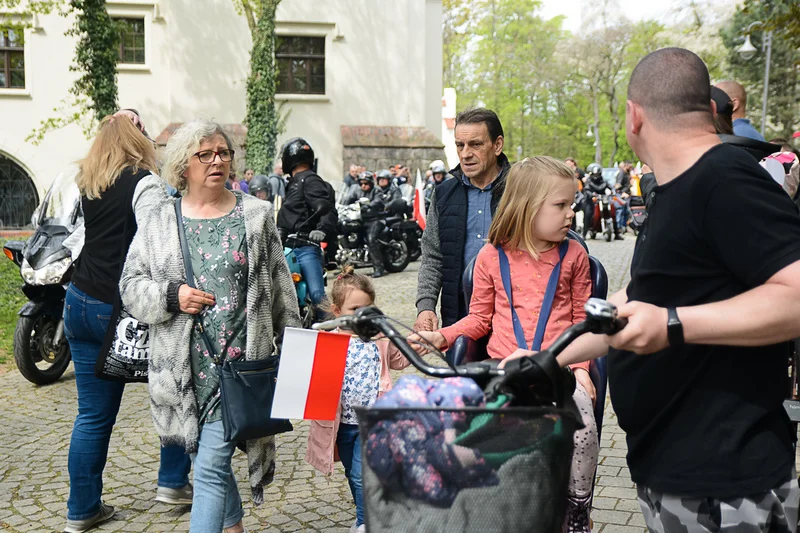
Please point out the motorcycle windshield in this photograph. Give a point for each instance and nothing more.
(61, 204)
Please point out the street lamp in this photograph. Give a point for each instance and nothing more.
(748, 51)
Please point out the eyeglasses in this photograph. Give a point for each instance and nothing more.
(208, 156)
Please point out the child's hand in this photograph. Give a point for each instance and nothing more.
(516, 355)
(582, 377)
(417, 341)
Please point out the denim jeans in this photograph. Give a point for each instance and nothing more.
(310, 259)
(623, 213)
(216, 504)
(349, 445)
(85, 324)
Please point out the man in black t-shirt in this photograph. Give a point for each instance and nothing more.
(698, 375)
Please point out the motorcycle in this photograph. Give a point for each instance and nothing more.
(603, 219)
(577, 208)
(403, 226)
(353, 247)
(308, 312)
(41, 350)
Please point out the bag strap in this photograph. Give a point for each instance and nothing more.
(187, 265)
(547, 303)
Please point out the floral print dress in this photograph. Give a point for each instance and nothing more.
(362, 376)
(219, 259)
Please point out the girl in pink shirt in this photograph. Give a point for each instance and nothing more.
(531, 223)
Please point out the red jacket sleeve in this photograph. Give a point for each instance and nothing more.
(478, 323)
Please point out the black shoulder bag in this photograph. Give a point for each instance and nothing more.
(246, 387)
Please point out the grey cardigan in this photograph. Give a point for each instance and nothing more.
(154, 260)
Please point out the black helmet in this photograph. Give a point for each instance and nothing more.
(259, 183)
(367, 176)
(385, 174)
(594, 170)
(295, 152)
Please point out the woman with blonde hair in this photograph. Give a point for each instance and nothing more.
(113, 178)
(527, 242)
(235, 307)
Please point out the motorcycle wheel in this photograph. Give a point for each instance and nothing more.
(397, 256)
(608, 232)
(37, 359)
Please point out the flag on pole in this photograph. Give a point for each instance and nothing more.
(310, 375)
(419, 201)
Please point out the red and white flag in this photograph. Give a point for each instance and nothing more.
(419, 201)
(310, 374)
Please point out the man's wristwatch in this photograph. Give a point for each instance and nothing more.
(674, 327)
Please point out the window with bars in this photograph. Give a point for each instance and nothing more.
(12, 59)
(131, 41)
(301, 65)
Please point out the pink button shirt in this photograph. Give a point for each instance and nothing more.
(490, 312)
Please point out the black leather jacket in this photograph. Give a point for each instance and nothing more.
(307, 201)
(596, 184)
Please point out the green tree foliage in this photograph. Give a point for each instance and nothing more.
(94, 94)
(783, 102)
(263, 118)
(557, 93)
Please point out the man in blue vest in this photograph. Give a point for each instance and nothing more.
(459, 216)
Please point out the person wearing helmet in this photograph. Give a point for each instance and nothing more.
(307, 200)
(366, 183)
(438, 175)
(595, 185)
(387, 191)
(260, 188)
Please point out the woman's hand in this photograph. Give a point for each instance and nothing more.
(418, 341)
(582, 377)
(192, 301)
(516, 355)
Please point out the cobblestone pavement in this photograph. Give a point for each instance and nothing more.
(37, 421)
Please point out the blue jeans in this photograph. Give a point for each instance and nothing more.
(85, 324)
(349, 445)
(310, 259)
(216, 503)
(623, 213)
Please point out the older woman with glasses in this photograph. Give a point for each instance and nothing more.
(244, 299)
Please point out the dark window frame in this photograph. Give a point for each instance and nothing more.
(123, 31)
(6, 50)
(286, 83)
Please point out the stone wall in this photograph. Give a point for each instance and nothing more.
(382, 147)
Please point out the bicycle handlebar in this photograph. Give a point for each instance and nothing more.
(367, 322)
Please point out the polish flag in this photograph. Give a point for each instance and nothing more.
(419, 201)
(310, 375)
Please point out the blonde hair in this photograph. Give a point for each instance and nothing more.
(184, 143)
(529, 183)
(118, 145)
(346, 282)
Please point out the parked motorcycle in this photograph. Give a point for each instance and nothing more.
(603, 219)
(402, 226)
(353, 247)
(41, 351)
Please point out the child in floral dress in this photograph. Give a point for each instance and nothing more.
(366, 377)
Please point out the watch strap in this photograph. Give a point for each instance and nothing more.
(674, 327)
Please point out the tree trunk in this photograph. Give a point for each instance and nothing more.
(598, 149)
(612, 105)
(262, 116)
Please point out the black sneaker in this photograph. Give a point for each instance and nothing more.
(619, 237)
(378, 273)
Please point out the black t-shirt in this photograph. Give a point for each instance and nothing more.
(107, 241)
(708, 421)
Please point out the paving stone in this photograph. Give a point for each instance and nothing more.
(34, 482)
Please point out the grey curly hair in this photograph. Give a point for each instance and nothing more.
(184, 143)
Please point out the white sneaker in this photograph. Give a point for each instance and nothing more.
(358, 529)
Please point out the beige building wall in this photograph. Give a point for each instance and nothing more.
(383, 68)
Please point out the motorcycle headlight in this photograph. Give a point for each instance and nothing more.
(50, 274)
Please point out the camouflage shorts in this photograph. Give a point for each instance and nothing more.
(771, 512)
